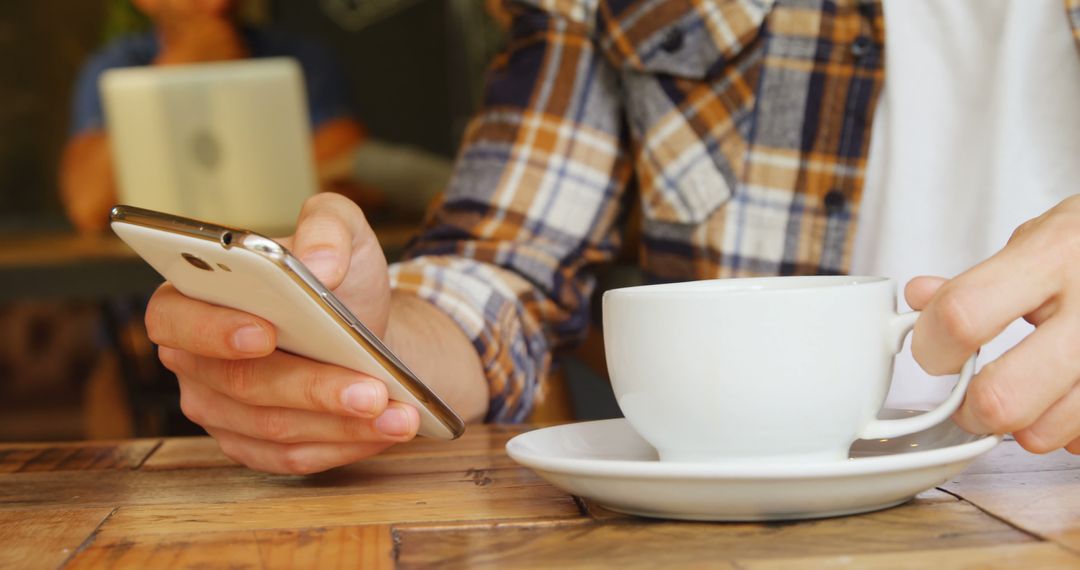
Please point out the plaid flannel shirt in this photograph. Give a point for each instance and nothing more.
(741, 126)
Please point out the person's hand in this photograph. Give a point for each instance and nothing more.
(275, 411)
(1032, 390)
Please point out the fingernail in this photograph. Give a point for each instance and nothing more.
(394, 421)
(323, 263)
(251, 339)
(360, 398)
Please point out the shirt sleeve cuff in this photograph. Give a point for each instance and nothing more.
(486, 302)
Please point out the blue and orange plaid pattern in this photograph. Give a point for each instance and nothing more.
(741, 127)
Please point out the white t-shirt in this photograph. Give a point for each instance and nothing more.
(977, 130)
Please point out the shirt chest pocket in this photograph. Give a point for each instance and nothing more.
(688, 99)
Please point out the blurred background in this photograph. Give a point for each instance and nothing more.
(71, 363)
(74, 359)
(414, 70)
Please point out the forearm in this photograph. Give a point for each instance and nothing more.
(87, 183)
(437, 350)
(507, 256)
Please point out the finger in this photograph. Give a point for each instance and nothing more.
(1024, 228)
(333, 236)
(1055, 428)
(205, 329)
(1010, 393)
(1074, 447)
(1045, 311)
(283, 380)
(971, 309)
(920, 290)
(329, 227)
(213, 410)
(295, 458)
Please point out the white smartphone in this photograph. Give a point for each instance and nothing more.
(246, 271)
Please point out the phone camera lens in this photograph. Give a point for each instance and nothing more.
(226, 239)
(197, 262)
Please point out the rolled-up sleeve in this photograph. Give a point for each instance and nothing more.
(532, 206)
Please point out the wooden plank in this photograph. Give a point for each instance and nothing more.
(1045, 503)
(465, 503)
(229, 550)
(503, 499)
(187, 453)
(420, 465)
(1009, 457)
(36, 538)
(80, 456)
(229, 485)
(935, 521)
(203, 452)
(338, 547)
(1041, 555)
(341, 547)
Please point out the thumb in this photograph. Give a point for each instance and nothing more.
(920, 290)
(335, 242)
(325, 235)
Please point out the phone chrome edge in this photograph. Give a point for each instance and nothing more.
(234, 237)
(386, 358)
(224, 235)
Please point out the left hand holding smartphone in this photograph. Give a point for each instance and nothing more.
(271, 410)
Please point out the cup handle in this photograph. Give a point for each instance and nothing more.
(899, 327)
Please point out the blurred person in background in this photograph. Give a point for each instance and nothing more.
(196, 31)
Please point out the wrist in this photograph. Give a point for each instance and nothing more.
(438, 351)
(401, 323)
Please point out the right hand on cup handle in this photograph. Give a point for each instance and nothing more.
(270, 410)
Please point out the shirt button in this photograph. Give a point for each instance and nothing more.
(834, 201)
(861, 46)
(673, 41)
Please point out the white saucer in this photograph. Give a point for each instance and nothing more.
(607, 461)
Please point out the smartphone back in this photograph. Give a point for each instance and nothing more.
(256, 275)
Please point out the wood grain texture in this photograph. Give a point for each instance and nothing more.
(926, 523)
(505, 496)
(1042, 555)
(1045, 503)
(80, 456)
(1009, 457)
(187, 453)
(329, 548)
(466, 504)
(203, 452)
(193, 487)
(37, 538)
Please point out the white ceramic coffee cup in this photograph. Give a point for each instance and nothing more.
(762, 369)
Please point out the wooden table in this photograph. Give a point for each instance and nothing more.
(179, 503)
